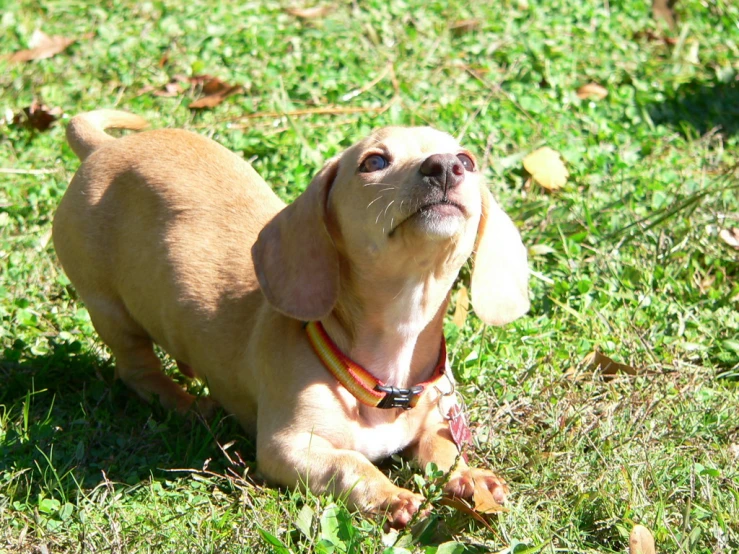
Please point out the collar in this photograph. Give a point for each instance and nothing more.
(360, 382)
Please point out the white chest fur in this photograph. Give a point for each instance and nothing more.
(381, 433)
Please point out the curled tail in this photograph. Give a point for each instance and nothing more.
(86, 132)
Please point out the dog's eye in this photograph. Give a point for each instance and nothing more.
(375, 162)
(467, 162)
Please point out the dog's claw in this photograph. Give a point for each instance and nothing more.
(464, 483)
(401, 508)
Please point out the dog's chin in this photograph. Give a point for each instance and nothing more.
(437, 222)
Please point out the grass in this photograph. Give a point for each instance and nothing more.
(626, 260)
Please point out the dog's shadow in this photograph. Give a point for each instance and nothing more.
(65, 423)
(700, 107)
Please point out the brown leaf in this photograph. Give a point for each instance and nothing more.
(171, 89)
(730, 237)
(547, 168)
(604, 365)
(309, 13)
(37, 116)
(485, 503)
(461, 506)
(462, 308)
(641, 541)
(651, 35)
(212, 100)
(465, 26)
(592, 90)
(214, 86)
(42, 47)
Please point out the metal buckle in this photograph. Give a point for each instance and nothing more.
(398, 398)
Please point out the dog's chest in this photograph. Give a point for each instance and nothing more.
(379, 434)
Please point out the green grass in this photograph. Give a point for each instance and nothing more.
(626, 260)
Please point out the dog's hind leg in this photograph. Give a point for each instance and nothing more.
(137, 365)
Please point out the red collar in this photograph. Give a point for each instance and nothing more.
(361, 383)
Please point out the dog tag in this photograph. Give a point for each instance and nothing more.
(459, 428)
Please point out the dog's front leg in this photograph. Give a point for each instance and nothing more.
(437, 445)
(310, 462)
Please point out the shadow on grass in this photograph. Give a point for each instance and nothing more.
(64, 421)
(702, 107)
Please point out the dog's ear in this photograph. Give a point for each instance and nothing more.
(501, 274)
(295, 259)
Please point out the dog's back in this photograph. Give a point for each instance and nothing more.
(164, 206)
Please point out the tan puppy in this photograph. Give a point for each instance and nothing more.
(171, 239)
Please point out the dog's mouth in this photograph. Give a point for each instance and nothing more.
(440, 209)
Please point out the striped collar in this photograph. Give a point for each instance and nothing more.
(360, 382)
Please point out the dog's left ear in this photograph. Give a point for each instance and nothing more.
(295, 259)
(501, 273)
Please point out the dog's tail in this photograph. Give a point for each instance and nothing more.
(86, 132)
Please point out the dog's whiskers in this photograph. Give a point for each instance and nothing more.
(375, 200)
(388, 207)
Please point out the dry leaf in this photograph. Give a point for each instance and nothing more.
(730, 237)
(651, 35)
(309, 13)
(37, 116)
(641, 541)
(592, 90)
(547, 168)
(462, 308)
(485, 503)
(216, 92)
(42, 46)
(606, 366)
(734, 450)
(465, 26)
(461, 506)
(171, 89)
(213, 86)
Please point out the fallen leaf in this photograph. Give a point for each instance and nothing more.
(461, 506)
(462, 308)
(641, 541)
(605, 366)
(547, 168)
(485, 503)
(664, 10)
(734, 450)
(37, 116)
(730, 237)
(309, 13)
(216, 92)
(42, 46)
(465, 26)
(214, 85)
(173, 88)
(651, 35)
(592, 90)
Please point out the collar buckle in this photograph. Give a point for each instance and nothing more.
(398, 398)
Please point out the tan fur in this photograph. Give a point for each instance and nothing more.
(157, 232)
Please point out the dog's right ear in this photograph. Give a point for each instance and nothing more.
(295, 259)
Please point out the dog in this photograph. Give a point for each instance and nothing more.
(319, 325)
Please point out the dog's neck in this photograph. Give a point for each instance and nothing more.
(393, 328)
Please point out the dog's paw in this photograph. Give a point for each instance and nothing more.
(401, 507)
(463, 484)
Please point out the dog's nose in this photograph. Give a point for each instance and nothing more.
(442, 170)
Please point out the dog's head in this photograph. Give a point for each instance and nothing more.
(402, 200)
